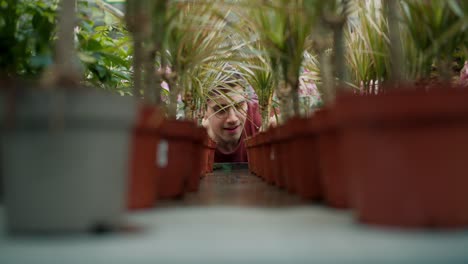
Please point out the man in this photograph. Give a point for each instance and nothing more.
(229, 119)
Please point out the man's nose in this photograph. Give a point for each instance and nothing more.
(232, 115)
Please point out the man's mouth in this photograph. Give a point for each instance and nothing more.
(231, 129)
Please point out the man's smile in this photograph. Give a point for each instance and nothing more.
(232, 130)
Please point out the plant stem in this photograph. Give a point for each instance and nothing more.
(65, 47)
(132, 13)
(150, 72)
(338, 39)
(137, 64)
(328, 90)
(396, 51)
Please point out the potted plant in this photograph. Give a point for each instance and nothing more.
(193, 39)
(284, 37)
(74, 142)
(146, 21)
(410, 183)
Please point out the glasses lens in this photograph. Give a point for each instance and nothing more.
(221, 113)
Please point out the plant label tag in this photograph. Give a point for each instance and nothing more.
(162, 154)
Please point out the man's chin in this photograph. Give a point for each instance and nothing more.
(232, 138)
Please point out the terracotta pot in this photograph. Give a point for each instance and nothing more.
(411, 169)
(333, 176)
(175, 157)
(262, 155)
(248, 146)
(285, 157)
(198, 135)
(253, 158)
(205, 155)
(281, 151)
(269, 155)
(143, 173)
(211, 154)
(305, 172)
(274, 167)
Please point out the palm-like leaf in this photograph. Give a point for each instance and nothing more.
(368, 47)
(282, 27)
(434, 30)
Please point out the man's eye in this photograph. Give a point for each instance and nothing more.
(239, 106)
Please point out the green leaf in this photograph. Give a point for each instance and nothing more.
(85, 58)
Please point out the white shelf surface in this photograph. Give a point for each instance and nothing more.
(231, 234)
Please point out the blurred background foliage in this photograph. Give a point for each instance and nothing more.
(432, 33)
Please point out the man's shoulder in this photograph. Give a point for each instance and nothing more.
(254, 117)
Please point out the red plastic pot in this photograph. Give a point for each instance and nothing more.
(175, 157)
(198, 136)
(253, 158)
(205, 155)
(211, 153)
(333, 176)
(143, 173)
(267, 159)
(249, 146)
(274, 161)
(305, 172)
(411, 168)
(281, 151)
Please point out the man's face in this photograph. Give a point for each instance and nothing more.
(226, 115)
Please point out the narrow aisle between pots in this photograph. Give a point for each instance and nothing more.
(233, 185)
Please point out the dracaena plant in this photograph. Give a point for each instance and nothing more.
(202, 79)
(258, 72)
(282, 27)
(196, 35)
(368, 51)
(434, 30)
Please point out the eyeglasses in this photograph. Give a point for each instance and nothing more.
(222, 111)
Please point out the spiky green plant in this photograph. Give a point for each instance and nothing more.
(435, 31)
(195, 35)
(257, 70)
(282, 27)
(368, 47)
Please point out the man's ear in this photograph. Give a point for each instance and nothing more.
(204, 122)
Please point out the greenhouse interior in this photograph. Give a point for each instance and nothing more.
(234, 131)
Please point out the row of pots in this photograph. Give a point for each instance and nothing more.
(75, 160)
(397, 158)
(169, 158)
